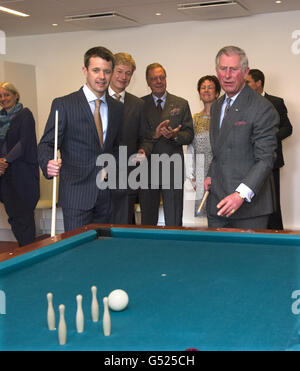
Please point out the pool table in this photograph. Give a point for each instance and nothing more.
(188, 288)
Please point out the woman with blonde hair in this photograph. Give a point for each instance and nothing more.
(19, 171)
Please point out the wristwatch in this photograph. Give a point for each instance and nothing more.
(241, 196)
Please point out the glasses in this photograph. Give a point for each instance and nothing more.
(157, 78)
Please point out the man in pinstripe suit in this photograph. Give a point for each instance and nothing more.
(80, 145)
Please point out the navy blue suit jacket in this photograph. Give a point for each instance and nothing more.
(79, 146)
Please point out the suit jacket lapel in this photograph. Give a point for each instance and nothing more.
(233, 115)
(215, 124)
(128, 106)
(109, 118)
(87, 110)
(168, 106)
(153, 115)
(85, 105)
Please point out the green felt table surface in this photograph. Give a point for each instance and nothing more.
(187, 289)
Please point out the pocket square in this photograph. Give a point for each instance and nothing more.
(175, 112)
(238, 123)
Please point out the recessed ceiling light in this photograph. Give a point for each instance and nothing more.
(14, 12)
(158, 14)
(54, 24)
(278, 2)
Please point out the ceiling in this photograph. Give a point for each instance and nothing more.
(112, 14)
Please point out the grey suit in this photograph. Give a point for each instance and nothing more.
(243, 152)
(79, 146)
(178, 111)
(131, 136)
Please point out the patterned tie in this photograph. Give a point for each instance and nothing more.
(158, 106)
(98, 121)
(227, 108)
(117, 97)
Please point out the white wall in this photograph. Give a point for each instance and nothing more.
(187, 50)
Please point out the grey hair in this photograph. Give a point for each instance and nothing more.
(229, 50)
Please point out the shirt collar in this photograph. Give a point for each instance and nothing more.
(111, 92)
(163, 98)
(90, 96)
(232, 98)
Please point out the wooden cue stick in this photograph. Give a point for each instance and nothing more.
(202, 202)
(54, 186)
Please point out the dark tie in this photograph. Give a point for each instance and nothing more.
(98, 121)
(158, 106)
(227, 108)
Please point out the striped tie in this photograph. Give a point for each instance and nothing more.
(117, 97)
(227, 108)
(158, 106)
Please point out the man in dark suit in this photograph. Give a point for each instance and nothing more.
(169, 126)
(256, 81)
(243, 131)
(123, 200)
(83, 135)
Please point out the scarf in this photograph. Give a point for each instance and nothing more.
(5, 119)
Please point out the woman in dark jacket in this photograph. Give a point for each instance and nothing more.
(19, 171)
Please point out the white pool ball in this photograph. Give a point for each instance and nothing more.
(118, 300)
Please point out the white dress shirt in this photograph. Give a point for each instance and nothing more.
(91, 97)
(112, 93)
(163, 99)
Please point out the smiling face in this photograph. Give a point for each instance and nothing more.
(121, 77)
(98, 75)
(156, 80)
(230, 74)
(7, 99)
(207, 92)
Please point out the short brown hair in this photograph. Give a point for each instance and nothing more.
(211, 78)
(101, 52)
